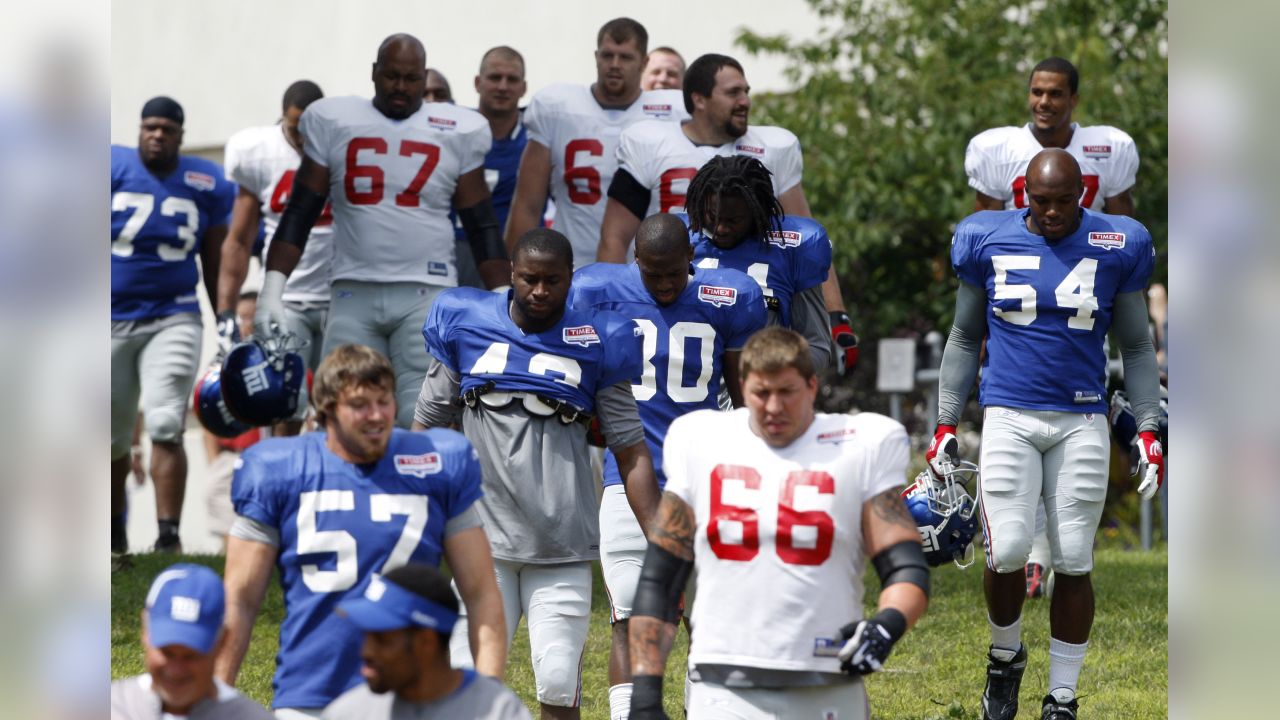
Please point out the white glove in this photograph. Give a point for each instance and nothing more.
(1150, 463)
(269, 318)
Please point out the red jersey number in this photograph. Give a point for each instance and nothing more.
(374, 192)
(583, 181)
(1086, 200)
(280, 198)
(667, 197)
(814, 552)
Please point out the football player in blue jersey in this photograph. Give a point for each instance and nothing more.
(330, 510)
(524, 375)
(1043, 285)
(695, 322)
(500, 85)
(736, 222)
(165, 209)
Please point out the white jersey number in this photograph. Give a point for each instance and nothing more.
(1075, 292)
(758, 272)
(142, 205)
(704, 334)
(382, 508)
(494, 362)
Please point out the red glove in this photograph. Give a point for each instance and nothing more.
(846, 341)
(1150, 463)
(943, 450)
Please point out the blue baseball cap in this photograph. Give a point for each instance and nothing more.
(388, 606)
(185, 607)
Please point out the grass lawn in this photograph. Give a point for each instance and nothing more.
(937, 671)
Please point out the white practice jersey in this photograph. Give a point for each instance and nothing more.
(261, 161)
(583, 140)
(778, 552)
(391, 183)
(663, 159)
(996, 163)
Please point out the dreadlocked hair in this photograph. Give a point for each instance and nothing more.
(736, 176)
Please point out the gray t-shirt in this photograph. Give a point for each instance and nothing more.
(479, 698)
(539, 503)
(132, 699)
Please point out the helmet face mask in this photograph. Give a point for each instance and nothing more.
(262, 380)
(945, 514)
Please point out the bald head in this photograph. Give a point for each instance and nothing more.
(399, 76)
(400, 43)
(662, 235)
(1054, 187)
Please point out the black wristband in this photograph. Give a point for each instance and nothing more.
(646, 692)
(893, 621)
(839, 317)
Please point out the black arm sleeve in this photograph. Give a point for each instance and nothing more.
(481, 225)
(903, 562)
(960, 358)
(627, 190)
(662, 579)
(300, 215)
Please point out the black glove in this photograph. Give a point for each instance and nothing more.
(846, 342)
(869, 642)
(646, 698)
(228, 331)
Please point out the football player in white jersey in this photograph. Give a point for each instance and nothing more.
(664, 70)
(263, 162)
(573, 139)
(996, 159)
(656, 162)
(392, 168)
(778, 508)
(996, 163)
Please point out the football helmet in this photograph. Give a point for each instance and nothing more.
(262, 379)
(209, 407)
(945, 514)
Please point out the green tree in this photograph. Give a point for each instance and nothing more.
(889, 94)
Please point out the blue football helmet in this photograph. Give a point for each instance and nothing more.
(261, 380)
(945, 514)
(1124, 424)
(209, 407)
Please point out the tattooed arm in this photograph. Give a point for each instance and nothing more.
(885, 523)
(652, 630)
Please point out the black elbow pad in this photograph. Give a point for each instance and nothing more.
(903, 562)
(662, 579)
(481, 225)
(299, 216)
(627, 190)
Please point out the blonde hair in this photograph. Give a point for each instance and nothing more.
(774, 349)
(348, 366)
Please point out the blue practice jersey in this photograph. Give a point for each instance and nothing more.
(501, 164)
(339, 523)
(1050, 304)
(156, 228)
(785, 263)
(684, 342)
(471, 332)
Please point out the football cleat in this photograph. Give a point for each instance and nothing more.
(1052, 709)
(944, 513)
(1004, 677)
(210, 408)
(262, 380)
(1035, 580)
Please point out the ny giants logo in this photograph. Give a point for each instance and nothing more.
(1107, 240)
(583, 335)
(442, 123)
(419, 465)
(1097, 151)
(198, 180)
(783, 238)
(718, 296)
(752, 149)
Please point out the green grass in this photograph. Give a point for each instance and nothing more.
(936, 672)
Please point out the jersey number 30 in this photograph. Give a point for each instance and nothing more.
(803, 538)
